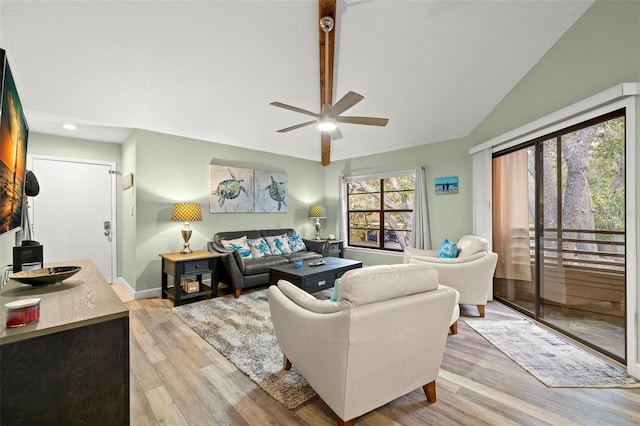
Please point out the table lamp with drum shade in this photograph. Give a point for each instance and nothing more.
(317, 212)
(186, 212)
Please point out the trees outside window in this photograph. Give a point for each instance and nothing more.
(380, 212)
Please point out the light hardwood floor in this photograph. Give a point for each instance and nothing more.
(178, 379)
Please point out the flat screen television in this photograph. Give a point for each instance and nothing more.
(14, 133)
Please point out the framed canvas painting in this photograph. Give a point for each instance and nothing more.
(230, 189)
(271, 192)
(447, 185)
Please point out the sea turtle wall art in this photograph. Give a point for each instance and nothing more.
(271, 192)
(231, 189)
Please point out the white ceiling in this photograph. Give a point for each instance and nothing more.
(209, 69)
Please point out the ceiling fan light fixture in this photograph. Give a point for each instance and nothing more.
(327, 124)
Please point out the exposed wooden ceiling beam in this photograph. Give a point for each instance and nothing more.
(326, 8)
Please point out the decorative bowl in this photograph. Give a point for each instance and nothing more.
(45, 275)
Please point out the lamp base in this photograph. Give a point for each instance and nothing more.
(318, 226)
(186, 234)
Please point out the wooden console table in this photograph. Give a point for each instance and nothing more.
(71, 366)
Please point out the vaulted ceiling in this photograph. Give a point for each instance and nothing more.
(209, 69)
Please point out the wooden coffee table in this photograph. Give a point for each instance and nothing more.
(313, 278)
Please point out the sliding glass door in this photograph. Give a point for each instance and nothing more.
(559, 230)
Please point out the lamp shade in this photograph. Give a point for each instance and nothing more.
(317, 211)
(186, 212)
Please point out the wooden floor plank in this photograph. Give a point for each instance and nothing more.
(183, 395)
(141, 413)
(164, 407)
(141, 367)
(245, 406)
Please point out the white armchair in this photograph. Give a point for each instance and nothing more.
(471, 273)
(383, 338)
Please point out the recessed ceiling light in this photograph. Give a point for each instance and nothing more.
(69, 126)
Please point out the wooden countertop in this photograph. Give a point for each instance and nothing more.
(83, 299)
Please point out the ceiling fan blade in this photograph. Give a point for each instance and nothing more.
(369, 121)
(345, 102)
(292, 108)
(297, 126)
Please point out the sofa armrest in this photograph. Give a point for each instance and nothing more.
(233, 268)
(318, 246)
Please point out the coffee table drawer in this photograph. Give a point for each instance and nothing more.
(314, 284)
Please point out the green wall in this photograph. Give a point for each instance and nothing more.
(601, 50)
(172, 169)
(449, 215)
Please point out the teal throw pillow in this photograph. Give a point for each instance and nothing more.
(448, 250)
(296, 244)
(334, 296)
(259, 248)
(279, 245)
(240, 245)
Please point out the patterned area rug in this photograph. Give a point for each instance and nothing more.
(554, 361)
(241, 330)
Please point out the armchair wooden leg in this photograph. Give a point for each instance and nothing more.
(430, 391)
(287, 364)
(237, 292)
(454, 328)
(347, 423)
(481, 310)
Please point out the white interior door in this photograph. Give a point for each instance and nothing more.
(73, 215)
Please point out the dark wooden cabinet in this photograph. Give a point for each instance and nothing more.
(72, 366)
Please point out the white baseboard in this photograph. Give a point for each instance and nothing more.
(146, 294)
(142, 294)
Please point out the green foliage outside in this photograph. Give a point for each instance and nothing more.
(606, 176)
(393, 199)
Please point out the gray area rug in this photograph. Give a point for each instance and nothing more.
(241, 330)
(554, 361)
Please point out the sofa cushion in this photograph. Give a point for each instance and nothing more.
(307, 301)
(410, 252)
(469, 245)
(384, 282)
(274, 232)
(296, 243)
(259, 248)
(238, 244)
(261, 265)
(279, 244)
(446, 261)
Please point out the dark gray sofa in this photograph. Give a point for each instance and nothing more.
(242, 273)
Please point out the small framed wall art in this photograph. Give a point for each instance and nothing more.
(447, 185)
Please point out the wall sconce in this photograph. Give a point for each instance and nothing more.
(186, 212)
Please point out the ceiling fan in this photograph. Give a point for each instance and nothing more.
(329, 117)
